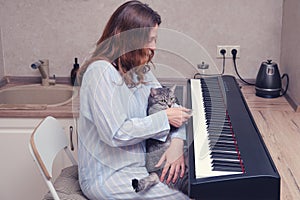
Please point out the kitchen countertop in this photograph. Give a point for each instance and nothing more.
(68, 110)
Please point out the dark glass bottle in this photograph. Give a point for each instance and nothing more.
(74, 72)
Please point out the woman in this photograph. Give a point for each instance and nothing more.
(113, 126)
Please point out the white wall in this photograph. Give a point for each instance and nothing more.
(1, 56)
(61, 30)
(291, 47)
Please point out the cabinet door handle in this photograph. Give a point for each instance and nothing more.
(71, 138)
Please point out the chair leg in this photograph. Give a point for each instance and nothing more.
(52, 190)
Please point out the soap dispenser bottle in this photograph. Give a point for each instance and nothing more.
(74, 72)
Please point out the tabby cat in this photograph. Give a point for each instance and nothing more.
(159, 99)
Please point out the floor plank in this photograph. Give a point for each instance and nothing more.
(279, 125)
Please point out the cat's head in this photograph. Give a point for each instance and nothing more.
(164, 97)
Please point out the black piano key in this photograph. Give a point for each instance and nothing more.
(224, 155)
(221, 143)
(216, 130)
(236, 163)
(216, 112)
(223, 148)
(221, 134)
(213, 99)
(218, 125)
(227, 147)
(228, 153)
(220, 131)
(213, 121)
(224, 129)
(225, 151)
(227, 168)
(226, 159)
(216, 101)
(217, 133)
(220, 137)
(211, 126)
(218, 119)
(216, 140)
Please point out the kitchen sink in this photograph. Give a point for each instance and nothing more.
(36, 96)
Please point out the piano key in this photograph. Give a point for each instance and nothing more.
(216, 141)
(213, 144)
(213, 124)
(220, 132)
(222, 145)
(214, 127)
(227, 154)
(232, 164)
(236, 162)
(224, 155)
(220, 138)
(223, 148)
(227, 168)
(216, 114)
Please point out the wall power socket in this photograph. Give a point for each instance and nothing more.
(228, 49)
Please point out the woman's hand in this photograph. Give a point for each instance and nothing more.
(177, 116)
(174, 161)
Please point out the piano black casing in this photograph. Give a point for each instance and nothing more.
(261, 179)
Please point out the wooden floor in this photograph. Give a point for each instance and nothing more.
(279, 125)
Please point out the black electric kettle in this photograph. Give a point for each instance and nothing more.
(268, 81)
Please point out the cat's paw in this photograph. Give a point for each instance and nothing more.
(138, 185)
(145, 183)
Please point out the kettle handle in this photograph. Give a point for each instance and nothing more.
(287, 83)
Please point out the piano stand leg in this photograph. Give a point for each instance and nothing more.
(145, 183)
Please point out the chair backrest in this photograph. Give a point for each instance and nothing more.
(46, 141)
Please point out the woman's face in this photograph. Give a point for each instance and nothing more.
(151, 44)
(152, 38)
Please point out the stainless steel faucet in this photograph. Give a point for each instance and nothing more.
(43, 66)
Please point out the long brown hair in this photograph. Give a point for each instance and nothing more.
(123, 40)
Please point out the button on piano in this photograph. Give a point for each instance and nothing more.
(227, 155)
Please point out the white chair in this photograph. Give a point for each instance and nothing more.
(46, 141)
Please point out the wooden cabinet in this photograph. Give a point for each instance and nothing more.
(19, 175)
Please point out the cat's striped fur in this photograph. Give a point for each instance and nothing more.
(159, 99)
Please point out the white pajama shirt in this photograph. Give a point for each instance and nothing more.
(112, 129)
